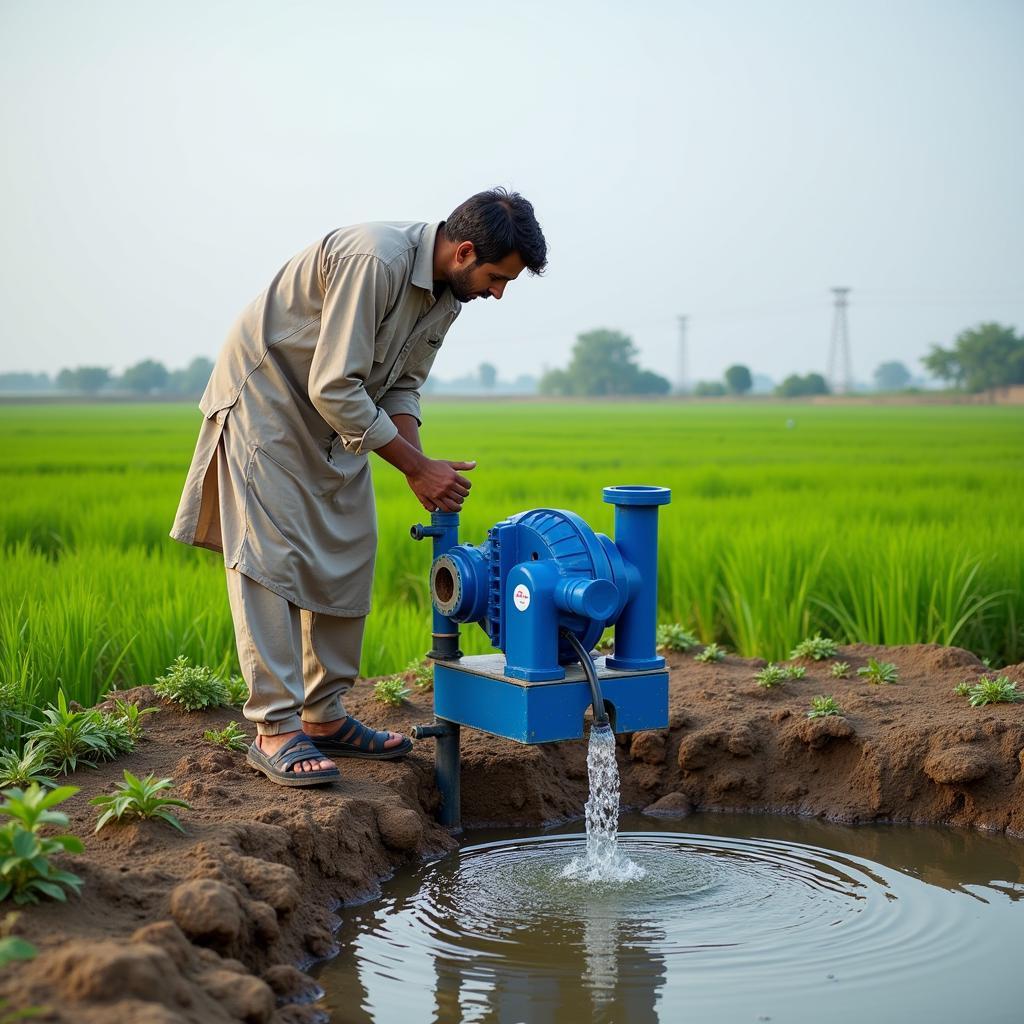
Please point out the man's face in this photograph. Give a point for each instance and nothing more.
(470, 280)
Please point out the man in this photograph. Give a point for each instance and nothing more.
(322, 368)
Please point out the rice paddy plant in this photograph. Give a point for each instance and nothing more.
(26, 873)
(231, 737)
(139, 798)
(878, 672)
(997, 690)
(824, 707)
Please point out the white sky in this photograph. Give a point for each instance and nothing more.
(727, 160)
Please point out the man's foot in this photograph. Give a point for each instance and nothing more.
(270, 745)
(348, 737)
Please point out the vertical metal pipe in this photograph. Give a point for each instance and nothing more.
(447, 770)
(444, 530)
(636, 536)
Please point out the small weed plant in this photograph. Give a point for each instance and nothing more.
(73, 737)
(194, 687)
(710, 653)
(998, 690)
(816, 648)
(131, 715)
(606, 644)
(238, 691)
(840, 670)
(770, 676)
(139, 798)
(231, 737)
(26, 874)
(962, 689)
(421, 672)
(794, 671)
(670, 636)
(391, 691)
(824, 707)
(877, 672)
(32, 765)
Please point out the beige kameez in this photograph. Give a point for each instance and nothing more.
(303, 389)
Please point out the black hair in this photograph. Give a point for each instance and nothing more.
(498, 222)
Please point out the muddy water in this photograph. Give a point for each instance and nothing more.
(736, 918)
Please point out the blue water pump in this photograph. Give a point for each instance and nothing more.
(544, 586)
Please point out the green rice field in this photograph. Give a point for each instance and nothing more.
(878, 524)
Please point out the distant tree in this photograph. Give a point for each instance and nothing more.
(193, 379)
(488, 375)
(144, 378)
(20, 381)
(795, 386)
(892, 376)
(709, 389)
(603, 363)
(738, 379)
(88, 379)
(987, 356)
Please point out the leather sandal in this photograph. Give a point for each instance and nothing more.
(278, 767)
(353, 739)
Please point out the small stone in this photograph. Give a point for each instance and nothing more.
(243, 996)
(671, 805)
(400, 827)
(207, 911)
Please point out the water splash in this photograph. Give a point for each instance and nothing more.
(603, 861)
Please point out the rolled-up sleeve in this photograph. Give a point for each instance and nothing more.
(355, 302)
(403, 397)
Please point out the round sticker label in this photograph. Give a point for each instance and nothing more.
(521, 597)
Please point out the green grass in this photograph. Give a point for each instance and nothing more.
(860, 523)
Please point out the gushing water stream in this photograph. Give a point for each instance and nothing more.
(602, 861)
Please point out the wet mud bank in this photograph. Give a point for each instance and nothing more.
(215, 925)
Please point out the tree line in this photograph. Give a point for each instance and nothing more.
(147, 378)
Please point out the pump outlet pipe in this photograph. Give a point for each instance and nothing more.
(444, 531)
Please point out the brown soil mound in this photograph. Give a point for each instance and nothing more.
(212, 926)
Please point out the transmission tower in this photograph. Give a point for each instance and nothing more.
(683, 384)
(840, 371)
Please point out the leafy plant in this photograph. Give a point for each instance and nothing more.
(391, 691)
(31, 765)
(816, 647)
(877, 672)
(840, 670)
(670, 636)
(131, 715)
(422, 672)
(962, 689)
(238, 691)
(794, 671)
(194, 687)
(710, 653)
(26, 873)
(823, 707)
(770, 676)
(117, 734)
(70, 737)
(605, 644)
(231, 737)
(12, 948)
(139, 798)
(993, 691)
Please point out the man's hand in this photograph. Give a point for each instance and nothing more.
(439, 486)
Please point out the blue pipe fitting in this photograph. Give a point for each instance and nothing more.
(636, 536)
(444, 531)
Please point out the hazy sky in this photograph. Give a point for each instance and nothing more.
(730, 161)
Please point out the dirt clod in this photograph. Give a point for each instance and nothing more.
(207, 911)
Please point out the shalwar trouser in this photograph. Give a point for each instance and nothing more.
(297, 663)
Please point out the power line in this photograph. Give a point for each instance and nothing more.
(840, 371)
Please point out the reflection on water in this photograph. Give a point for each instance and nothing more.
(741, 918)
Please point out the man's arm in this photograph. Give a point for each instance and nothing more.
(436, 482)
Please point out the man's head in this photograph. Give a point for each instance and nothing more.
(491, 238)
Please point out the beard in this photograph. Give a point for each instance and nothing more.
(458, 281)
